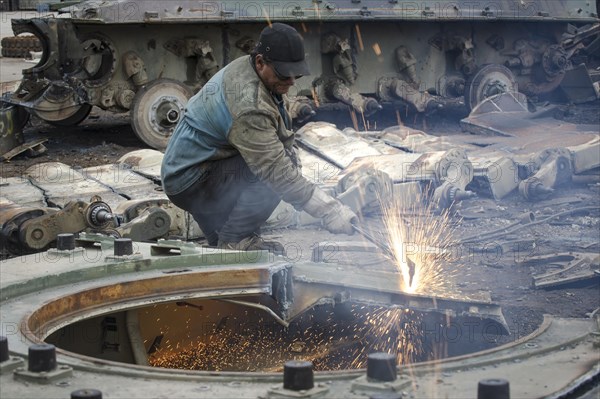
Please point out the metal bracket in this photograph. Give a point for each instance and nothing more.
(278, 392)
(574, 267)
(43, 377)
(66, 253)
(428, 12)
(151, 15)
(124, 258)
(11, 364)
(173, 247)
(487, 12)
(366, 384)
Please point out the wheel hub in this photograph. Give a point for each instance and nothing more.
(488, 81)
(165, 113)
(495, 87)
(156, 110)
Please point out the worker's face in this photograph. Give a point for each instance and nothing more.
(271, 79)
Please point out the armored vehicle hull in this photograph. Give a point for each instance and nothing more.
(148, 58)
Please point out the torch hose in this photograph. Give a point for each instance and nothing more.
(386, 250)
(381, 245)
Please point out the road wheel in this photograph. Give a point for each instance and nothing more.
(156, 110)
(79, 116)
(70, 116)
(488, 81)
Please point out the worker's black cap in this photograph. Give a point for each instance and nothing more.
(282, 46)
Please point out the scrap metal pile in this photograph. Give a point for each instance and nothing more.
(508, 152)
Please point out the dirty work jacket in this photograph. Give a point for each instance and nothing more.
(234, 113)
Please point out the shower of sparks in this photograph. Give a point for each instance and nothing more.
(315, 96)
(359, 37)
(398, 119)
(330, 342)
(353, 118)
(421, 246)
(267, 17)
(376, 49)
(394, 330)
(362, 114)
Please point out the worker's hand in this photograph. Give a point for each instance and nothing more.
(337, 218)
(340, 220)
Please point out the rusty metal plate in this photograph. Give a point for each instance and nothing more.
(314, 283)
(521, 130)
(36, 147)
(204, 283)
(571, 268)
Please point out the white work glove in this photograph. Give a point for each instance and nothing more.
(336, 217)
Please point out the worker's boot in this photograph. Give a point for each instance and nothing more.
(253, 243)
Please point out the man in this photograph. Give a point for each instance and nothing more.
(231, 158)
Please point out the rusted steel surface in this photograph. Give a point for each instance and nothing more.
(46, 304)
(204, 283)
(316, 284)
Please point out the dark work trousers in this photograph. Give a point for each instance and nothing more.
(229, 202)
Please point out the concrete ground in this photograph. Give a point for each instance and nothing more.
(11, 68)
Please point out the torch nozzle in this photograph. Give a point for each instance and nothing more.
(411, 271)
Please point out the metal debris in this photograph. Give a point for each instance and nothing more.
(569, 268)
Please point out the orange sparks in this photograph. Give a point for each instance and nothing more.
(359, 37)
(377, 49)
(330, 344)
